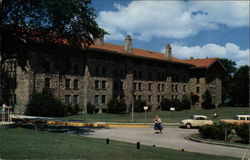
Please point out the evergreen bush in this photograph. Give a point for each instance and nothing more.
(45, 104)
(90, 108)
(139, 105)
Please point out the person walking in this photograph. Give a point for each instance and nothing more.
(158, 125)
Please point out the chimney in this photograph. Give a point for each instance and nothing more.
(128, 44)
(168, 51)
(100, 40)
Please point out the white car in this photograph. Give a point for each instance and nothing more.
(196, 121)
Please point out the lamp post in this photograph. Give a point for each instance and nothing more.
(132, 115)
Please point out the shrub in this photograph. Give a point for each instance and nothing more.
(115, 106)
(165, 104)
(213, 131)
(138, 105)
(207, 104)
(68, 109)
(218, 131)
(45, 104)
(176, 103)
(75, 109)
(186, 103)
(243, 132)
(90, 108)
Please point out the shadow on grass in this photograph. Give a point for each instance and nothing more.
(61, 129)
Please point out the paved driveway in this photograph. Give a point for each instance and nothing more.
(172, 137)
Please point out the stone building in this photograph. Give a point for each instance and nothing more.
(106, 71)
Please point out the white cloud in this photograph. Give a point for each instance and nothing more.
(229, 51)
(171, 19)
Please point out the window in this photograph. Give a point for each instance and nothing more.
(150, 86)
(115, 72)
(103, 98)
(96, 99)
(158, 98)
(134, 86)
(139, 97)
(149, 98)
(197, 80)
(140, 74)
(122, 72)
(97, 70)
(135, 74)
(162, 97)
(67, 99)
(96, 84)
(121, 86)
(103, 84)
(76, 69)
(149, 75)
(163, 87)
(47, 67)
(163, 76)
(184, 88)
(172, 88)
(67, 83)
(104, 71)
(134, 98)
(159, 76)
(75, 83)
(176, 96)
(115, 85)
(47, 82)
(159, 87)
(75, 99)
(176, 87)
(139, 86)
(172, 96)
(197, 89)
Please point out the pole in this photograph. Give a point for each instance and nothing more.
(132, 116)
(145, 115)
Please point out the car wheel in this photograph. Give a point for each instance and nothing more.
(188, 125)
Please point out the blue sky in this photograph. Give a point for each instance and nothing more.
(193, 28)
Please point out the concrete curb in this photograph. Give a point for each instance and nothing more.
(216, 143)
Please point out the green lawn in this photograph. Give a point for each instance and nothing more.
(225, 112)
(18, 143)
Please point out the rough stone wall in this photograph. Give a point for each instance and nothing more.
(24, 89)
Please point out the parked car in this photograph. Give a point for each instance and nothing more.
(237, 119)
(196, 121)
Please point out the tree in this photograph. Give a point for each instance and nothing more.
(227, 79)
(138, 106)
(207, 104)
(46, 21)
(241, 87)
(186, 102)
(45, 104)
(116, 106)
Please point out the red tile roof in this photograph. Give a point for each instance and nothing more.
(201, 63)
(197, 63)
(136, 52)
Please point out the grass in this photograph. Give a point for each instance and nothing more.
(225, 112)
(198, 137)
(19, 143)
